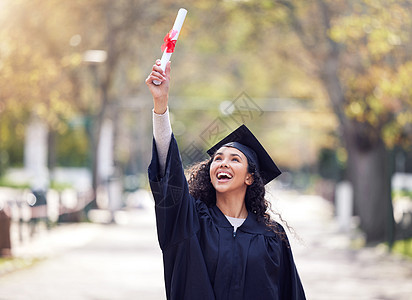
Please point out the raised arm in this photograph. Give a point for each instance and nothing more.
(162, 130)
(176, 216)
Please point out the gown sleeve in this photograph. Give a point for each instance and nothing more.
(290, 285)
(176, 217)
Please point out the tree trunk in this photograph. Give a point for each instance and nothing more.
(370, 174)
(5, 244)
(368, 163)
(52, 155)
(368, 160)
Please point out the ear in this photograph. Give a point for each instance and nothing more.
(249, 179)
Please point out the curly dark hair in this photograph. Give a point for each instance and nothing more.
(201, 188)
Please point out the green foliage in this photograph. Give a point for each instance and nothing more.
(57, 186)
(11, 142)
(32, 61)
(329, 165)
(401, 194)
(72, 148)
(403, 247)
(7, 183)
(376, 38)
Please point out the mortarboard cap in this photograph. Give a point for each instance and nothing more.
(244, 140)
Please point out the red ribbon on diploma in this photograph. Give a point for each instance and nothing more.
(168, 42)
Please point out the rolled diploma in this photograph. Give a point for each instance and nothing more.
(181, 15)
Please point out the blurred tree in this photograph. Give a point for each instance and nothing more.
(117, 28)
(33, 62)
(44, 69)
(360, 51)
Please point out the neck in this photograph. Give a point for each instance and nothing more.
(232, 205)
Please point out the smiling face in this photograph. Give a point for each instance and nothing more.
(229, 171)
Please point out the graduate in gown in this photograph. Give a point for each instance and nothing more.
(217, 238)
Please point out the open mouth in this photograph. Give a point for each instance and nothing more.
(224, 176)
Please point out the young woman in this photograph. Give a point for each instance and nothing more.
(217, 239)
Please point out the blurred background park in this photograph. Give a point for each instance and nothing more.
(325, 85)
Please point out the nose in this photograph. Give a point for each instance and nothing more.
(224, 164)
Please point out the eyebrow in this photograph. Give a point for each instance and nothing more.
(231, 154)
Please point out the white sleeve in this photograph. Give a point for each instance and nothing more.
(162, 133)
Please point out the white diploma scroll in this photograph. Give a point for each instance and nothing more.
(177, 26)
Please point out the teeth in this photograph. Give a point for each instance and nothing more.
(223, 174)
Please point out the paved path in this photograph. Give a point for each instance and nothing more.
(330, 267)
(92, 261)
(95, 261)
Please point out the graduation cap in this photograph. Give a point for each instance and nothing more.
(244, 140)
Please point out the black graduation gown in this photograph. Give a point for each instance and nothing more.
(203, 258)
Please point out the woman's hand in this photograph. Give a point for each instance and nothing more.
(160, 92)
